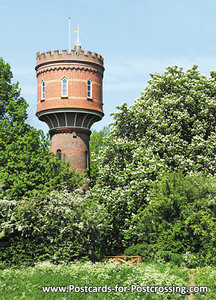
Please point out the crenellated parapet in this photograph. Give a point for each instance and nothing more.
(75, 55)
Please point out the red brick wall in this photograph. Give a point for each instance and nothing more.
(73, 146)
(77, 90)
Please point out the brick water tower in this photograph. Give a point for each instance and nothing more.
(69, 100)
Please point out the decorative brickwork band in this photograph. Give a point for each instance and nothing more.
(69, 67)
(69, 130)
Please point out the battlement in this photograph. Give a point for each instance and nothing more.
(76, 54)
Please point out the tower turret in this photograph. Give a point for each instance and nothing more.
(69, 100)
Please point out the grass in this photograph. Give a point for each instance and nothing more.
(206, 277)
(26, 283)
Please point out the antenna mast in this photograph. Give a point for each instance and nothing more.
(69, 23)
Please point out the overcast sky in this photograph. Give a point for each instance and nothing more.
(135, 38)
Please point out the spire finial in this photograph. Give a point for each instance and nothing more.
(77, 44)
(77, 32)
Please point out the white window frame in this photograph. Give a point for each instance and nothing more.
(64, 91)
(89, 93)
(42, 90)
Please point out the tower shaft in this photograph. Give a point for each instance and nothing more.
(70, 101)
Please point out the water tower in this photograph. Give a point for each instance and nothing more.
(69, 100)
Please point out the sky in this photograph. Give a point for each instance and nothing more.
(135, 38)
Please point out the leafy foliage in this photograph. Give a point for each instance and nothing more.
(170, 128)
(96, 143)
(61, 226)
(12, 106)
(180, 218)
(25, 160)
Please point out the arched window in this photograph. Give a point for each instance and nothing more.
(42, 90)
(64, 87)
(58, 153)
(89, 88)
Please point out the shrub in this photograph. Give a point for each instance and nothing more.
(179, 220)
(61, 226)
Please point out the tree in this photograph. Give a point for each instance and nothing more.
(25, 161)
(12, 106)
(171, 127)
(180, 218)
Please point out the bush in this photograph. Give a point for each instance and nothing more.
(61, 226)
(143, 250)
(179, 220)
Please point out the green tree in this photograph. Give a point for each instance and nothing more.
(180, 218)
(12, 106)
(25, 161)
(171, 127)
(96, 143)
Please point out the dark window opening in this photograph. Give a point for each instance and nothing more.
(86, 160)
(89, 89)
(43, 90)
(59, 154)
